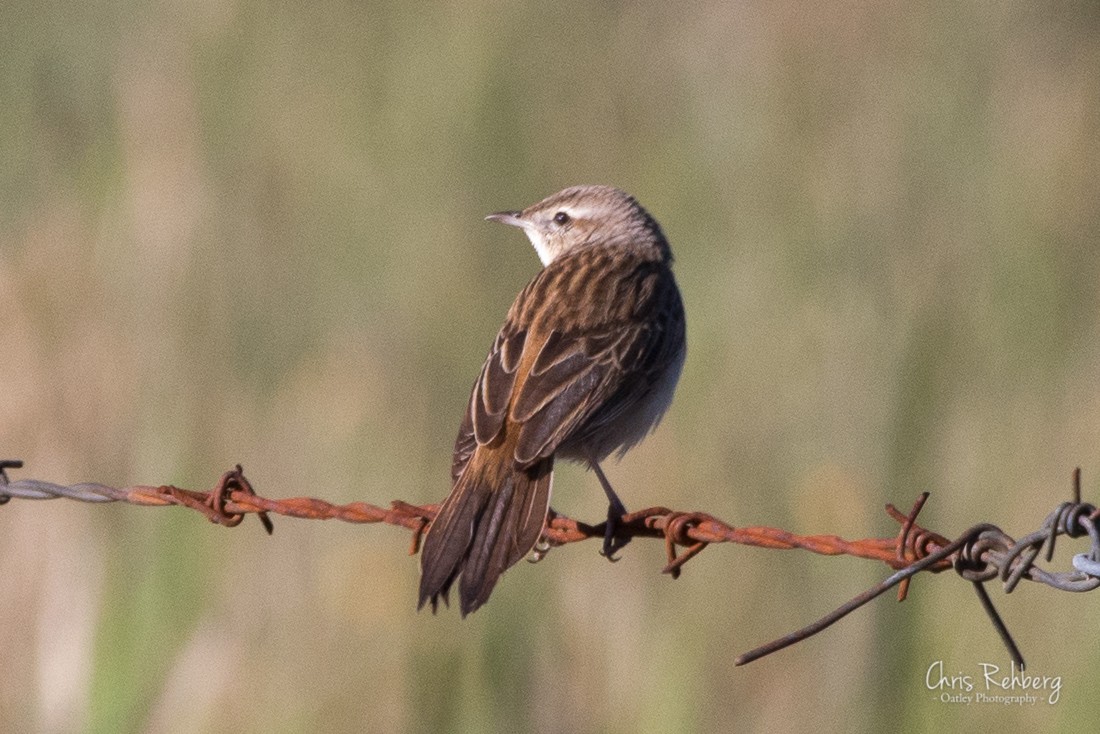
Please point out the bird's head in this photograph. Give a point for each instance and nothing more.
(587, 216)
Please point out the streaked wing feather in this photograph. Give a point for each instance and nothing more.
(560, 362)
(464, 446)
(581, 374)
(493, 389)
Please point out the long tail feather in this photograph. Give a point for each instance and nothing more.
(485, 526)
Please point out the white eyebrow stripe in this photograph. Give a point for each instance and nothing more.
(577, 212)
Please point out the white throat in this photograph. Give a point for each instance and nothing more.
(538, 240)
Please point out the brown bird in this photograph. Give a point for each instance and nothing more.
(585, 365)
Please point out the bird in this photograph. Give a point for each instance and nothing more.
(584, 366)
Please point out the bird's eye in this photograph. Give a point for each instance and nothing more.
(561, 218)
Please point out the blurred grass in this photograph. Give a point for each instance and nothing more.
(252, 232)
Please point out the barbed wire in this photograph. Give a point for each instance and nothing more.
(980, 554)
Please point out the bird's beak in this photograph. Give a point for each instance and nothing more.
(512, 219)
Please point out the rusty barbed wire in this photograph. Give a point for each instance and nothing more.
(981, 554)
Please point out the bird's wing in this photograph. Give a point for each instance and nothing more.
(580, 382)
(549, 377)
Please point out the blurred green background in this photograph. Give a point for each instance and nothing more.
(240, 231)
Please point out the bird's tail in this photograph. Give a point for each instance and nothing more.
(491, 519)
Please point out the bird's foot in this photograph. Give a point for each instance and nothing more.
(612, 541)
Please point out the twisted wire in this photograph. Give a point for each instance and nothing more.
(981, 554)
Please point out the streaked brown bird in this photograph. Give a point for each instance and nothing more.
(585, 365)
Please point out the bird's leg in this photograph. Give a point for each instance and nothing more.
(615, 511)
